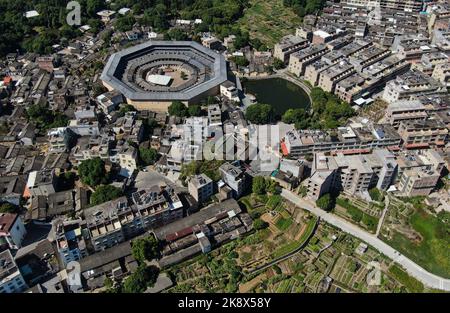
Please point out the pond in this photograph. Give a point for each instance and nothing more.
(279, 93)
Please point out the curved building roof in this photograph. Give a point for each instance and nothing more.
(126, 71)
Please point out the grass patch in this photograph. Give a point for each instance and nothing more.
(411, 284)
(432, 252)
(269, 21)
(283, 223)
(294, 245)
(273, 201)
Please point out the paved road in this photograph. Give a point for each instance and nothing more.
(412, 268)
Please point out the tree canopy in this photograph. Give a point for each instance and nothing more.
(7, 207)
(92, 172)
(260, 113)
(146, 249)
(143, 277)
(178, 108)
(325, 202)
(104, 193)
(148, 156)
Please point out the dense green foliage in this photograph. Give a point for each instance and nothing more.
(177, 108)
(104, 193)
(328, 111)
(278, 64)
(260, 113)
(240, 60)
(195, 110)
(145, 276)
(259, 224)
(7, 208)
(411, 284)
(376, 194)
(208, 167)
(44, 118)
(145, 249)
(38, 34)
(148, 156)
(261, 185)
(325, 202)
(92, 172)
(305, 7)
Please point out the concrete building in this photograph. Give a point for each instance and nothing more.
(41, 183)
(418, 182)
(313, 70)
(200, 187)
(405, 110)
(69, 240)
(234, 177)
(353, 139)
(229, 91)
(411, 47)
(11, 280)
(214, 115)
(288, 45)
(410, 84)
(12, 231)
(111, 223)
(423, 133)
(158, 206)
(323, 176)
(299, 60)
(332, 75)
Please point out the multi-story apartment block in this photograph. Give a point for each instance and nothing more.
(234, 177)
(424, 159)
(92, 147)
(200, 187)
(111, 223)
(411, 47)
(355, 139)
(418, 182)
(322, 36)
(422, 134)
(288, 45)
(332, 75)
(126, 156)
(214, 115)
(69, 240)
(399, 5)
(323, 176)
(12, 231)
(299, 60)
(352, 174)
(405, 110)
(11, 280)
(313, 70)
(157, 206)
(441, 38)
(429, 61)
(410, 84)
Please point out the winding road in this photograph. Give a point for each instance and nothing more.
(427, 278)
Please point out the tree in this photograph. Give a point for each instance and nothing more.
(259, 185)
(7, 208)
(259, 224)
(260, 113)
(104, 193)
(92, 172)
(278, 64)
(148, 156)
(177, 108)
(240, 60)
(325, 202)
(195, 110)
(141, 279)
(145, 249)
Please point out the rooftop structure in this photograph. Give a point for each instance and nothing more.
(153, 74)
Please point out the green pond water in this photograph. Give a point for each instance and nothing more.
(279, 93)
